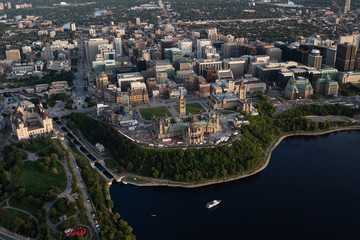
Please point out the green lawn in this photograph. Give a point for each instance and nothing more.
(36, 147)
(9, 215)
(191, 108)
(38, 182)
(110, 163)
(16, 203)
(147, 113)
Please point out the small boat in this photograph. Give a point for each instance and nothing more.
(212, 204)
(124, 182)
(153, 215)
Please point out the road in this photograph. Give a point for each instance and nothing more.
(80, 93)
(243, 20)
(82, 186)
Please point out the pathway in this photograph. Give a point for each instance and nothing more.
(82, 186)
(35, 219)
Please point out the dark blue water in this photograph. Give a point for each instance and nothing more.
(310, 190)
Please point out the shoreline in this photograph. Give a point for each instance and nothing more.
(152, 182)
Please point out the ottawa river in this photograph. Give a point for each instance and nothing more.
(310, 190)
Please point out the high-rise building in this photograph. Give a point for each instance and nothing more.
(13, 55)
(26, 49)
(229, 49)
(138, 21)
(47, 53)
(102, 81)
(185, 46)
(118, 46)
(73, 27)
(199, 47)
(9, 5)
(91, 48)
(347, 6)
(201, 64)
(106, 51)
(345, 58)
(165, 43)
(237, 66)
(274, 53)
(315, 59)
(330, 57)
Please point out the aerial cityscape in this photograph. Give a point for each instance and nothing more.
(192, 119)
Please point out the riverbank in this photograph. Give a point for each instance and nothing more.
(153, 182)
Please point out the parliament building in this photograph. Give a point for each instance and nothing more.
(190, 128)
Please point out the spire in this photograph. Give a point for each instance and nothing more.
(242, 84)
(181, 93)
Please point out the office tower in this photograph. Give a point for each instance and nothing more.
(353, 39)
(185, 46)
(229, 49)
(208, 52)
(1, 6)
(345, 58)
(129, 24)
(13, 55)
(118, 46)
(106, 51)
(141, 64)
(26, 49)
(315, 59)
(138, 22)
(9, 5)
(237, 66)
(47, 53)
(73, 27)
(347, 6)
(201, 64)
(274, 53)
(173, 54)
(199, 46)
(102, 81)
(91, 48)
(330, 57)
(165, 43)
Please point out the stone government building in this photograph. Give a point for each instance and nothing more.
(191, 128)
(30, 121)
